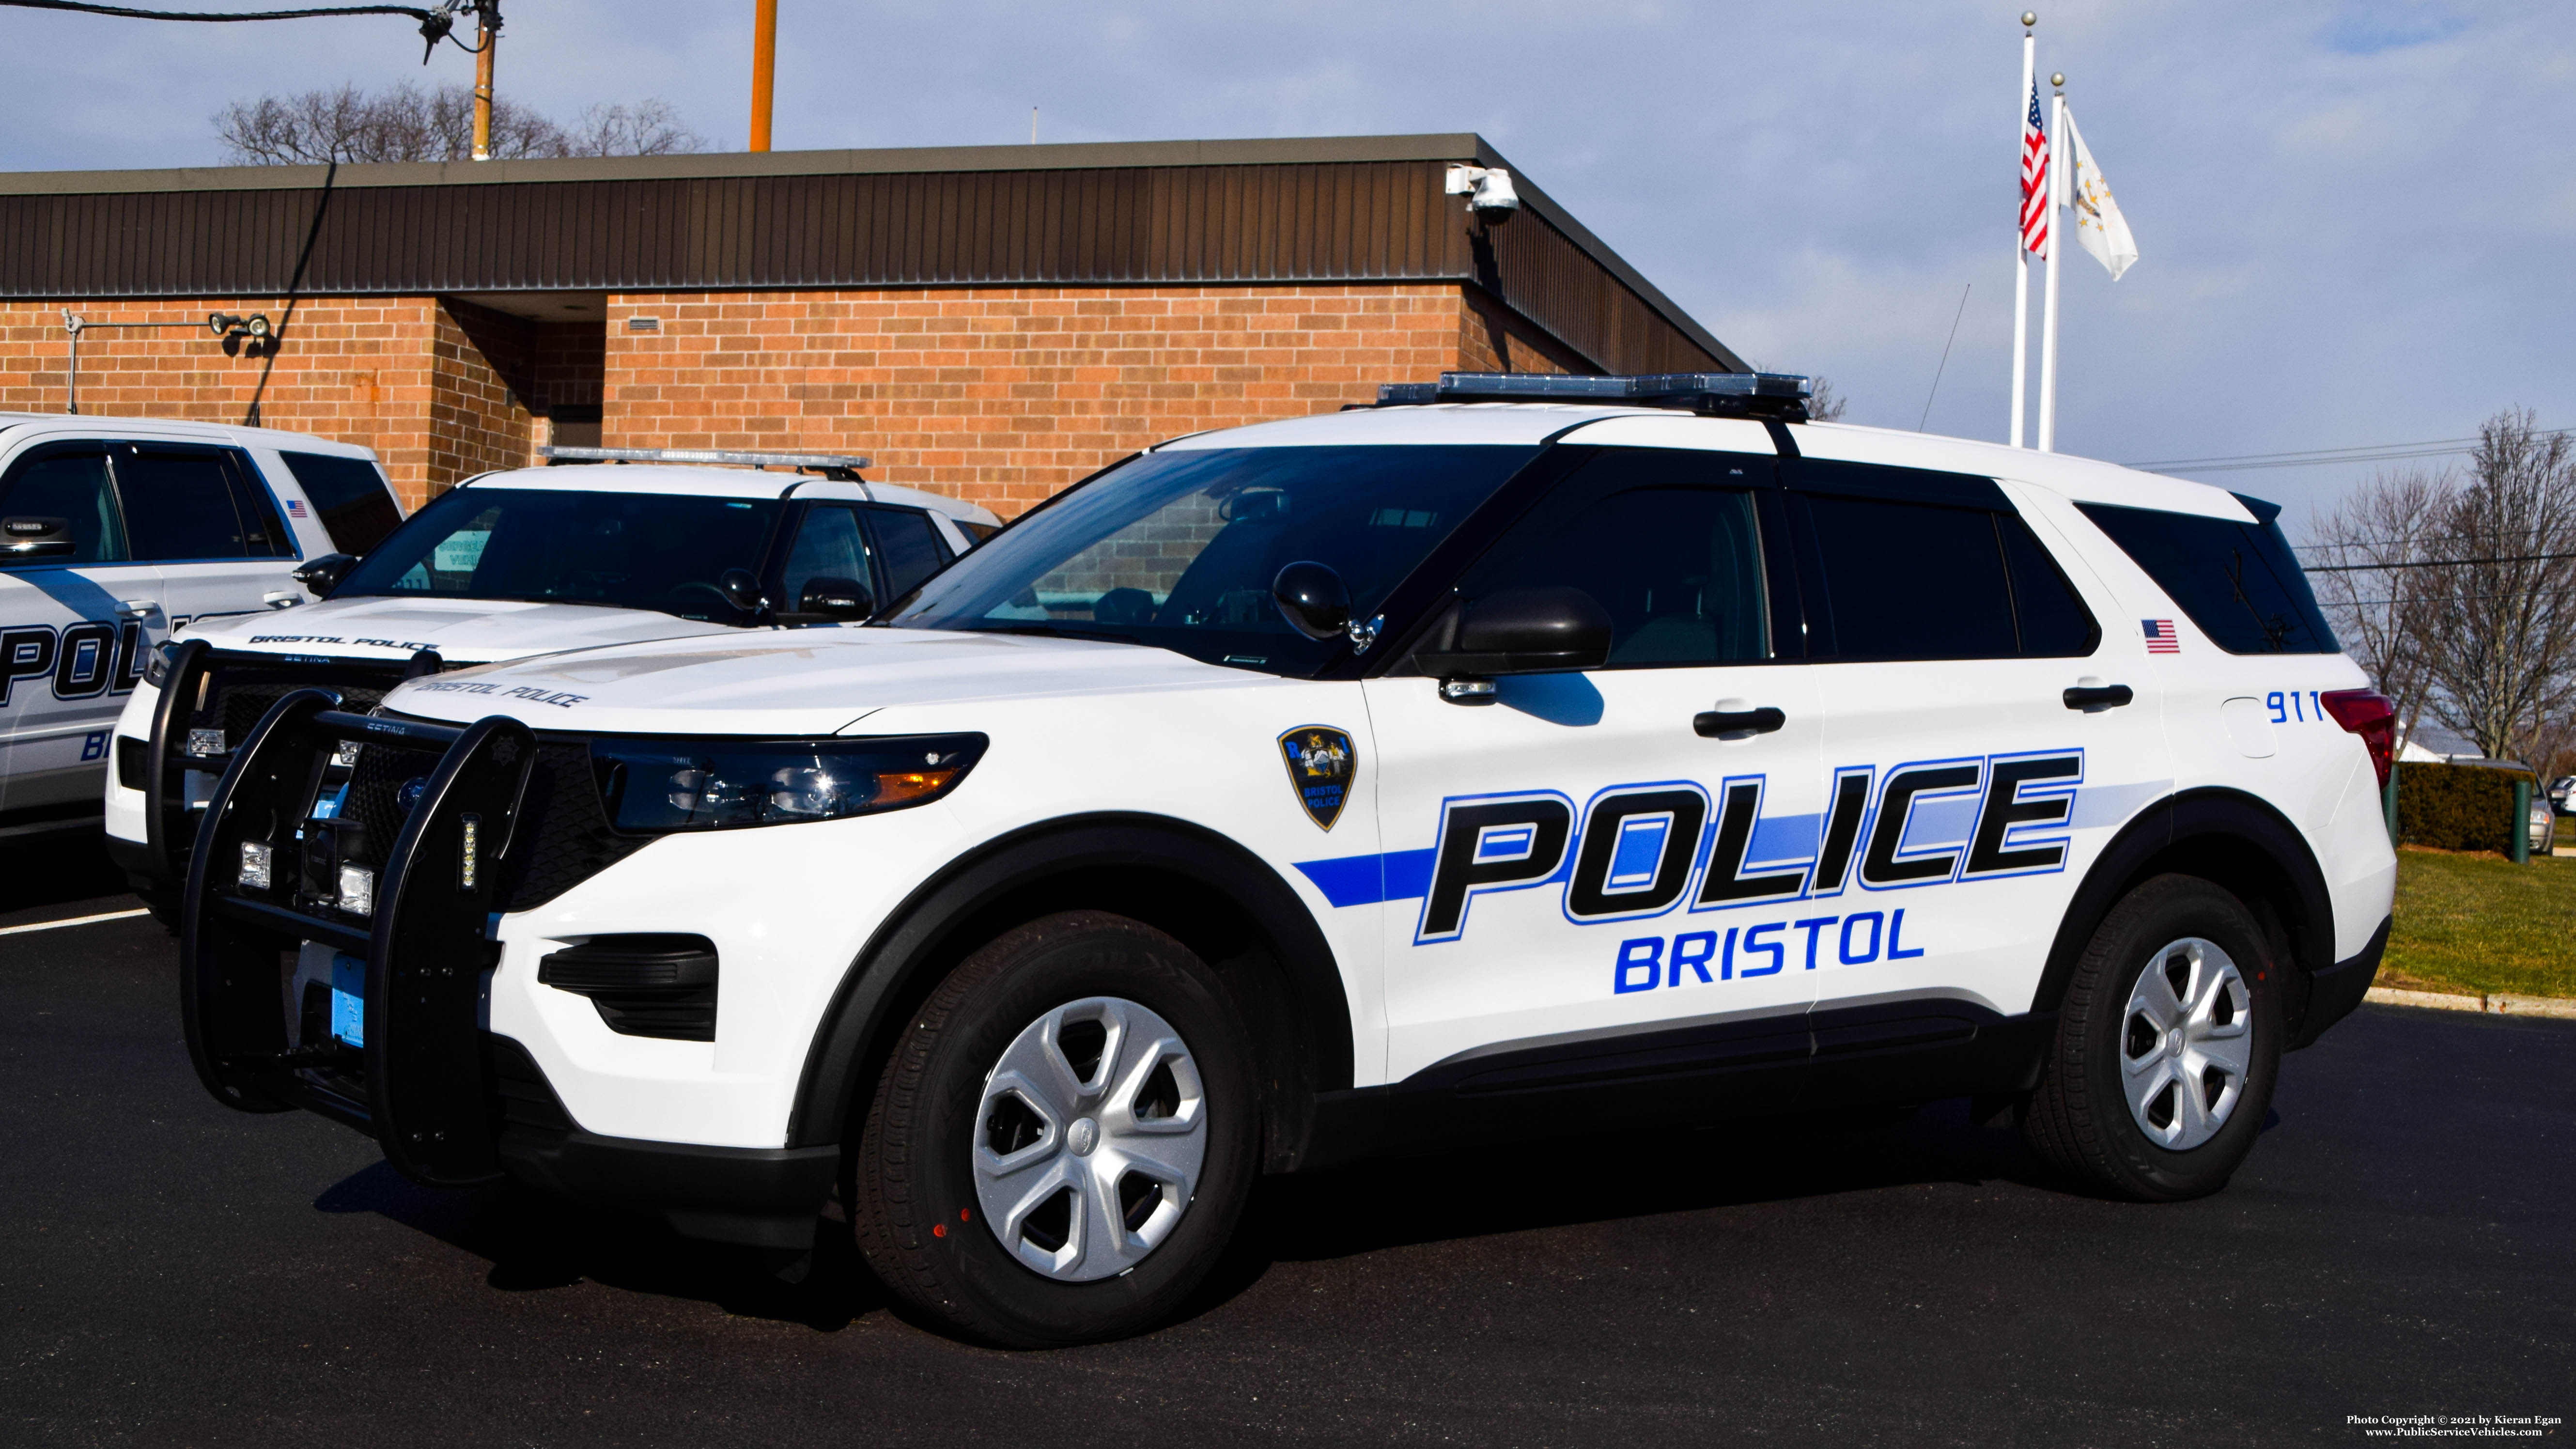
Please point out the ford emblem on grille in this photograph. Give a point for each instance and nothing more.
(412, 789)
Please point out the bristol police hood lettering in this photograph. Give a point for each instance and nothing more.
(1321, 763)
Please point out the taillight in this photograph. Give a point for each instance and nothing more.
(2367, 713)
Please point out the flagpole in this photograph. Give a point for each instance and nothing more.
(2057, 169)
(2021, 254)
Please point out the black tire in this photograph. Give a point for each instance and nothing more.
(914, 1203)
(2080, 1117)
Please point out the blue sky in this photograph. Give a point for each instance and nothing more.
(2355, 218)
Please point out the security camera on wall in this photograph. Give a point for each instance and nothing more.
(1488, 190)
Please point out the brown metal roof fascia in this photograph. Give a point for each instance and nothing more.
(1187, 213)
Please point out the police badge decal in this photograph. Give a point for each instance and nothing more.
(1321, 763)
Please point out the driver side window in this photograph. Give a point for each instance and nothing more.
(828, 546)
(70, 484)
(1672, 555)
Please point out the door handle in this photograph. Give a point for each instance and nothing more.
(1718, 724)
(137, 608)
(2090, 697)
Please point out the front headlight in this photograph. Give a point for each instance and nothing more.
(652, 785)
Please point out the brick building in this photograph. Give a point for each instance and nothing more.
(991, 322)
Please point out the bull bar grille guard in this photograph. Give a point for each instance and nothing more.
(422, 1083)
(205, 683)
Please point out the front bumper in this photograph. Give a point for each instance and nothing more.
(502, 819)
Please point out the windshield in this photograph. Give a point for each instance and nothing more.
(659, 551)
(1178, 549)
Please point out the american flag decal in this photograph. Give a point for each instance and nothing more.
(2034, 180)
(2160, 636)
(295, 508)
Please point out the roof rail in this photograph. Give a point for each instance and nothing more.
(831, 465)
(1778, 395)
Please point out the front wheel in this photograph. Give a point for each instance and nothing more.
(1063, 1139)
(2167, 1048)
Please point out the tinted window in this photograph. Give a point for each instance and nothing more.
(1676, 563)
(625, 550)
(909, 545)
(193, 504)
(828, 546)
(2054, 622)
(1908, 581)
(2238, 581)
(356, 507)
(71, 485)
(1178, 548)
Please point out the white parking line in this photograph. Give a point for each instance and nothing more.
(74, 921)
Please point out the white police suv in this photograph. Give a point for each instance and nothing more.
(1519, 752)
(509, 564)
(114, 532)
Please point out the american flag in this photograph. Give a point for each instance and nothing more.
(2160, 637)
(2034, 180)
(295, 508)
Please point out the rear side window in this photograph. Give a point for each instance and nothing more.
(1906, 580)
(2238, 581)
(194, 503)
(908, 546)
(356, 507)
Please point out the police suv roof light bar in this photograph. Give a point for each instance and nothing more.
(830, 465)
(1727, 394)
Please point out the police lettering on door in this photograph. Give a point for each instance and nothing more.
(1640, 851)
(81, 661)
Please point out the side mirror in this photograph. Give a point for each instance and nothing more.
(1538, 630)
(1313, 599)
(836, 599)
(28, 538)
(324, 574)
(741, 590)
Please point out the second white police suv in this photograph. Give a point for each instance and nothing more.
(1519, 755)
(512, 563)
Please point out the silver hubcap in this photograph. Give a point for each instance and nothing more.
(1089, 1139)
(2185, 1043)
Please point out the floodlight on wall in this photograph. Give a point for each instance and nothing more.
(225, 324)
(1488, 190)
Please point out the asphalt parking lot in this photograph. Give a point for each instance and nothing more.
(2403, 1241)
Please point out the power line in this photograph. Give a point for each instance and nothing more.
(2440, 563)
(129, 13)
(2317, 457)
(435, 25)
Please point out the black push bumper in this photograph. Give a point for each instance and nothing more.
(2334, 991)
(452, 1104)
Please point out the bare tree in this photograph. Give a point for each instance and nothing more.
(2374, 547)
(406, 123)
(1826, 405)
(2500, 610)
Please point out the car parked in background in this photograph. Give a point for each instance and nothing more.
(519, 562)
(115, 533)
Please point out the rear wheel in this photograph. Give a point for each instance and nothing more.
(2167, 1048)
(1059, 1148)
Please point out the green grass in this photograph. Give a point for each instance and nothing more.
(2474, 924)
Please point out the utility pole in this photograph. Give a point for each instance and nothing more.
(487, 35)
(764, 68)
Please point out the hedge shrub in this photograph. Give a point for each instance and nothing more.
(2457, 807)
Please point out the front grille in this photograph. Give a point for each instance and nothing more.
(562, 837)
(240, 688)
